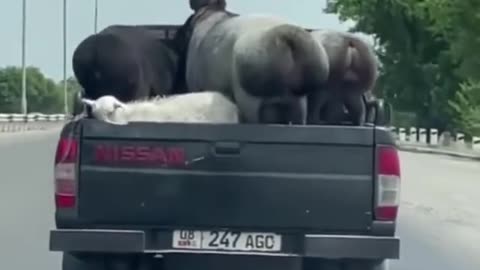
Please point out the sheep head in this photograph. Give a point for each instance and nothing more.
(108, 109)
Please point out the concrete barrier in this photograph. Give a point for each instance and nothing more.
(412, 136)
(434, 136)
(460, 138)
(422, 135)
(418, 136)
(476, 143)
(402, 134)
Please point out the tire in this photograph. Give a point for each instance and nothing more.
(365, 265)
(109, 262)
(346, 264)
(74, 262)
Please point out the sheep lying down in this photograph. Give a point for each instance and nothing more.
(199, 107)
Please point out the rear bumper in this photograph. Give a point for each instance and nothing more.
(316, 246)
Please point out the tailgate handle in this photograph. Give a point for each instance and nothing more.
(227, 148)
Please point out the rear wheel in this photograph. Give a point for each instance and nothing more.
(347, 264)
(109, 262)
(82, 262)
(365, 265)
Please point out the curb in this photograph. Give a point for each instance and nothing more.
(428, 150)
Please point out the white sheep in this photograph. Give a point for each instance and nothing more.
(199, 107)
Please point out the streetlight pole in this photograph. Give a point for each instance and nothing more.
(24, 68)
(95, 27)
(65, 85)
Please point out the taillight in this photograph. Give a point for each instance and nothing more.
(387, 184)
(65, 176)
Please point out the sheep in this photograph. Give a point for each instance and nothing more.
(200, 107)
(266, 64)
(353, 72)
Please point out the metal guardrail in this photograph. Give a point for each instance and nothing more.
(32, 121)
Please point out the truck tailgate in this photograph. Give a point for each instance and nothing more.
(236, 176)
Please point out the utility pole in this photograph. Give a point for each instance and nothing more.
(65, 83)
(95, 23)
(24, 68)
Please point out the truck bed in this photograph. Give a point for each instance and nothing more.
(282, 178)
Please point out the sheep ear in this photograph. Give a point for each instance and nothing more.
(119, 105)
(88, 102)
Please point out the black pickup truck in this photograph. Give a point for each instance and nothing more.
(182, 196)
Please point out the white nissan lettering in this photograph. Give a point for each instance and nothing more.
(227, 241)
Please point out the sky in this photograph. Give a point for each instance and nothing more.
(44, 25)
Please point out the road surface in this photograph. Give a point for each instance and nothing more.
(439, 218)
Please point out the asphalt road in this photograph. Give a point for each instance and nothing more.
(439, 219)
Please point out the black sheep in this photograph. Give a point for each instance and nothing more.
(128, 62)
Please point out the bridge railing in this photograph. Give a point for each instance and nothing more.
(32, 121)
(411, 135)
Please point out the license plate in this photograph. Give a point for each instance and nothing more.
(227, 240)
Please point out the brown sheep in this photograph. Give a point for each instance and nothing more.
(353, 72)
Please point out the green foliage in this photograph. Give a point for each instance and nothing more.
(72, 89)
(427, 48)
(458, 21)
(43, 94)
(465, 107)
(404, 119)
